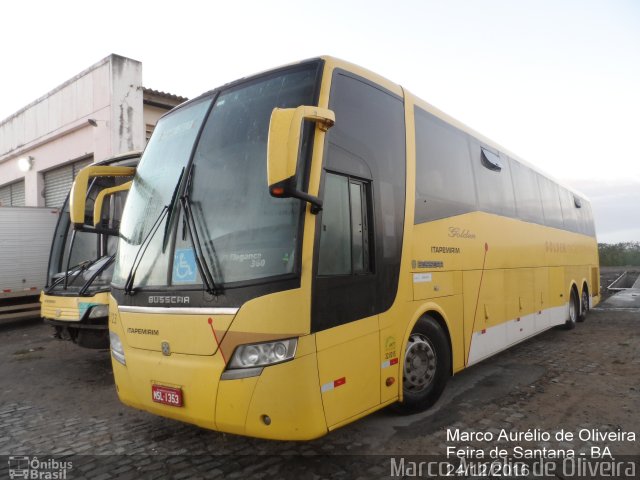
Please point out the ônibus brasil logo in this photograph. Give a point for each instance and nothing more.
(33, 468)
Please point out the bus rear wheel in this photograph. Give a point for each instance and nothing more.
(426, 367)
(574, 309)
(584, 305)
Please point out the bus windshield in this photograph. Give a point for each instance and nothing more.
(78, 255)
(221, 139)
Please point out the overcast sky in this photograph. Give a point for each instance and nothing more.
(557, 82)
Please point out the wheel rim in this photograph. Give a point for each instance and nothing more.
(585, 302)
(419, 364)
(572, 310)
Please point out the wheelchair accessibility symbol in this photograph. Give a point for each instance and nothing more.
(184, 266)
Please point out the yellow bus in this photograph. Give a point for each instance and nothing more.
(306, 246)
(75, 300)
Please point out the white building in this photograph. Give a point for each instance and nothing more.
(101, 112)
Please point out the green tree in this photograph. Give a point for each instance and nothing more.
(619, 254)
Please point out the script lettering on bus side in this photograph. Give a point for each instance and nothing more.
(456, 232)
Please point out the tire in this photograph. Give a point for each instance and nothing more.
(574, 311)
(426, 367)
(584, 305)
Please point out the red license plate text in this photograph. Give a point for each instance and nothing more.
(166, 395)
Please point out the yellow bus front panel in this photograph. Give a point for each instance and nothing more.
(145, 369)
(349, 369)
(286, 402)
(69, 309)
(282, 401)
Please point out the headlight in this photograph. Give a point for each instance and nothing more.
(99, 311)
(263, 354)
(116, 348)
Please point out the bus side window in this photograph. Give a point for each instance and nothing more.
(569, 211)
(525, 186)
(444, 179)
(550, 202)
(335, 235)
(344, 235)
(586, 218)
(493, 180)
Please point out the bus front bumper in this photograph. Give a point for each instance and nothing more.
(283, 402)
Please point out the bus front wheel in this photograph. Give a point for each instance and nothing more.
(426, 367)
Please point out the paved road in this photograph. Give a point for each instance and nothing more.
(57, 401)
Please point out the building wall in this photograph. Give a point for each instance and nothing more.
(151, 116)
(55, 130)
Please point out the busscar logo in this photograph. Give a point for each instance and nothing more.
(168, 299)
(143, 331)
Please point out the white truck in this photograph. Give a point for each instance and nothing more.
(25, 241)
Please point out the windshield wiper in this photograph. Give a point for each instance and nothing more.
(79, 268)
(98, 271)
(203, 267)
(165, 237)
(166, 210)
(128, 285)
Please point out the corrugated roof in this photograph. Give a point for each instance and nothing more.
(166, 95)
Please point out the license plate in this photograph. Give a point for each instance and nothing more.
(166, 395)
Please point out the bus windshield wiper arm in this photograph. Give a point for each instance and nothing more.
(166, 211)
(170, 207)
(64, 278)
(203, 268)
(102, 268)
(128, 285)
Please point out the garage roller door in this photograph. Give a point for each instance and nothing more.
(57, 182)
(12, 195)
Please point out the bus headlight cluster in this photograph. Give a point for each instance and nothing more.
(116, 348)
(263, 354)
(99, 311)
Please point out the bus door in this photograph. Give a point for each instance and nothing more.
(344, 302)
(358, 242)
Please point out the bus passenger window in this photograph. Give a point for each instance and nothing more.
(359, 228)
(344, 235)
(335, 237)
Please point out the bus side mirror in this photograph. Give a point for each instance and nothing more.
(78, 196)
(283, 149)
(97, 205)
